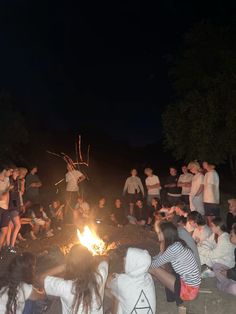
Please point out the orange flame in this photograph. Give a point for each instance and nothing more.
(91, 241)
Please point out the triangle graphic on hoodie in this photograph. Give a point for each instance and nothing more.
(142, 306)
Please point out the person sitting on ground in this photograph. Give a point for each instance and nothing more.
(217, 248)
(82, 214)
(231, 216)
(16, 285)
(40, 221)
(56, 212)
(226, 277)
(182, 284)
(201, 231)
(101, 211)
(181, 209)
(134, 289)
(118, 217)
(141, 213)
(81, 288)
(180, 223)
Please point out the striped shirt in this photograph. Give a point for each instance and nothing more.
(183, 262)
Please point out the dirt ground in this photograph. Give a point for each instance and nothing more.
(50, 252)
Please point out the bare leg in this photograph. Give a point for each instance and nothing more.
(167, 279)
(3, 234)
(17, 226)
(131, 209)
(9, 232)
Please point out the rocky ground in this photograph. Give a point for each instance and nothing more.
(50, 252)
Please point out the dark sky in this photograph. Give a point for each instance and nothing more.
(96, 63)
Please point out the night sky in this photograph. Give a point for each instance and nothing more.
(73, 63)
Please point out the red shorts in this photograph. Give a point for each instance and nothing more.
(187, 292)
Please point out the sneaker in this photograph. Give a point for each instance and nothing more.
(208, 273)
(32, 235)
(12, 250)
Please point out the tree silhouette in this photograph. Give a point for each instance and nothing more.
(201, 123)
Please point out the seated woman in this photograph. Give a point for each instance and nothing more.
(201, 231)
(226, 277)
(81, 288)
(141, 213)
(40, 221)
(217, 248)
(16, 285)
(183, 280)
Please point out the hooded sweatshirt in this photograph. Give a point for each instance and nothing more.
(135, 290)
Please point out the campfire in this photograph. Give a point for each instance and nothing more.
(91, 241)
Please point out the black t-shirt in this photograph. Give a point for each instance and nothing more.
(140, 213)
(230, 220)
(120, 215)
(170, 180)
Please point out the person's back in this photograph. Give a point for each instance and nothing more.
(134, 289)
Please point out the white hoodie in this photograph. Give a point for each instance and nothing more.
(221, 252)
(135, 290)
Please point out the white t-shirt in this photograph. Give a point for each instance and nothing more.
(201, 234)
(4, 199)
(196, 202)
(151, 181)
(186, 178)
(72, 178)
(62, 288)
(211, 188)
(24, 291)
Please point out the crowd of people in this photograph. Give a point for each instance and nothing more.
(184, 211)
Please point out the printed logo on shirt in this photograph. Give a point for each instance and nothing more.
(142, 306)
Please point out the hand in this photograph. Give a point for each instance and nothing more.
(223, 272)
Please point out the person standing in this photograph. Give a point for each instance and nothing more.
(185, 181)
(211, 194)
(5, 173)
(73, 178)
(197, 187)
(173, 191)
(134, 187)
(153, 186)
(32, 186)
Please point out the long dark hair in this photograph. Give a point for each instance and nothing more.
(170, 234)
(20, 270)
(82, 269)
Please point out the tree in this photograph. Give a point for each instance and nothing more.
(13, 133)
(201, 123)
